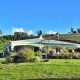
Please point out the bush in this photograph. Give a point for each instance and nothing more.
(24, 56)
(70, 50)
(38, 53)
(36, 59)
(12, 54)
(70, 56)
(51, 54)
(8, 59)
(67, 56)
(17, 59)
(76, 56)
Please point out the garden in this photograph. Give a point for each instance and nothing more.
(27, 65)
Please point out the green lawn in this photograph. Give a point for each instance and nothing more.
(53, 69)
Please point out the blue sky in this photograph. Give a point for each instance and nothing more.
(45, 15)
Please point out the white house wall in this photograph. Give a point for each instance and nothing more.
(23, 44)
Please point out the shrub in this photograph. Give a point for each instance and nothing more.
(70, 51)
(8, 59)
(36, 59)
(24, 55)
(64, 55)
(65, 51)
(17, 59)
(76, 56)
(38, 53)
(12, 54)
(51, 54)
(70, 56)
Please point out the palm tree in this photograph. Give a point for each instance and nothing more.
(39, 33)
(72, 30)
(0, 32)
(78, 30)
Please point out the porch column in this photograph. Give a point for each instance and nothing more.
(8, 48)
(3, 54)
(73, 50)
(12, 47)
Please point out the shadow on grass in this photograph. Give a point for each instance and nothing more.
(6, 62)
(55, 79)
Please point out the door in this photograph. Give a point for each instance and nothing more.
(36, 49)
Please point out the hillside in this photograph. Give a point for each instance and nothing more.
(75, 38)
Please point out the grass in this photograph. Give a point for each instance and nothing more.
(54, 69)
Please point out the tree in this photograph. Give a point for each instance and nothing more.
(1, 37)
(8, 37)
(39, 33)
(0, 32)
(72, 30)
(78, 30)
(45, 36)
(20, 35)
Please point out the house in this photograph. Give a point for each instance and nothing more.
(39, 44)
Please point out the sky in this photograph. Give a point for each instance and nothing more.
(33, 15)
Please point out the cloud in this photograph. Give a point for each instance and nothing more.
(51, 32)
(14, 29)
(30, 32)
